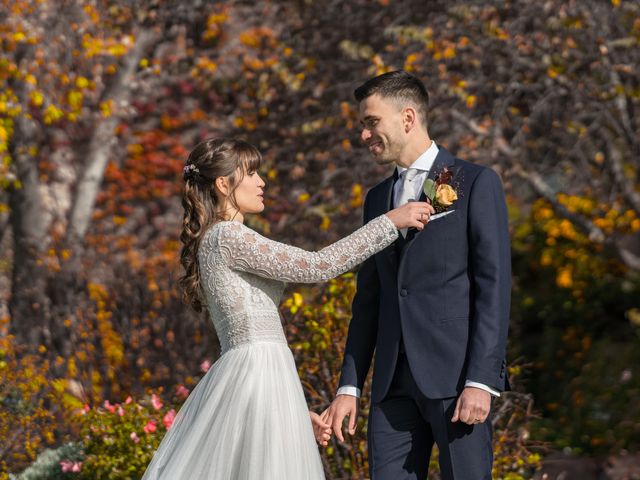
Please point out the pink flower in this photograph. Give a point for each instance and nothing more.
(204, 366)
(134, 437)
(69, 466)
(182, 392)
(150, 427)
(128, 400)
(109, 407)
(84, 409)
(120, 411)
(155, 401)
(169, 418)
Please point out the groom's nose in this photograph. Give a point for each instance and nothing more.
(365, 135)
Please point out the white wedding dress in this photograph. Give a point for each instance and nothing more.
(247, 418)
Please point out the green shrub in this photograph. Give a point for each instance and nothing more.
(48, 465)
(120, 439)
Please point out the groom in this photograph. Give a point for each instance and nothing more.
(434, 306)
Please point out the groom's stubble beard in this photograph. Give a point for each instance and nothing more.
(392, 151)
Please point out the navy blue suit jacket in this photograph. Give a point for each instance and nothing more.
(445, 294)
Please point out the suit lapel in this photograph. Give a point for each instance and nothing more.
(382, 203)
(443, 160)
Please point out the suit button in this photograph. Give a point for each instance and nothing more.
(403, 292)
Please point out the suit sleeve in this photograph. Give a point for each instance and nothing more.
(490, 267)
(363, 328)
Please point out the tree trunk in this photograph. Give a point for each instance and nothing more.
(35, 320)
(29, 304)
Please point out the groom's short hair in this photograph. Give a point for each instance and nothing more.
(400, 86)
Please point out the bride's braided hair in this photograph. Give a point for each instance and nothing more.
(209, 160)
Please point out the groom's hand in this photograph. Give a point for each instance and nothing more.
(342, 406)
(473, 406)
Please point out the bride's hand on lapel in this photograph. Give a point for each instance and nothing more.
(411, 215)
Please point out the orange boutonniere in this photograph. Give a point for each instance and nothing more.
(441, 193)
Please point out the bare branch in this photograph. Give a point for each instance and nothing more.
(626, 184)
(594, 233)
(544, 190)
(102, 141)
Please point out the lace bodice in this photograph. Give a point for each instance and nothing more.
(244, 274)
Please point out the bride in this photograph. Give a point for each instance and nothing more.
(247, 417)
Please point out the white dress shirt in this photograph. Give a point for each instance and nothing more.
(423, 164)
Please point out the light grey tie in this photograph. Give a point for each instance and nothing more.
(407, 191)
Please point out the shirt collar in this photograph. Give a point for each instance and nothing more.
(425, 161)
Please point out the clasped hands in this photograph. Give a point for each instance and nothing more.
(472, 407)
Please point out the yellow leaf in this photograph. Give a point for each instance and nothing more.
(74, 97)
(564, 279)
(52, 114)
(36, 98)
(82, 82)
(303, 197)
(599, 158)
(105, 108)
(449, 52)
(471, 101)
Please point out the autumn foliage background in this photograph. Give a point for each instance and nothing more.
(100, 103)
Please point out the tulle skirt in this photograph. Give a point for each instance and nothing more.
(246, 419)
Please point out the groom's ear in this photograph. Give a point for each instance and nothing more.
(409, 118)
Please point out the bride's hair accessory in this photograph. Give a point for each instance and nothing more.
(189, 171)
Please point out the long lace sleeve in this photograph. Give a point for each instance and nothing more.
(246, 250)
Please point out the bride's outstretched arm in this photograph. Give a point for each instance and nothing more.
(246, 250)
